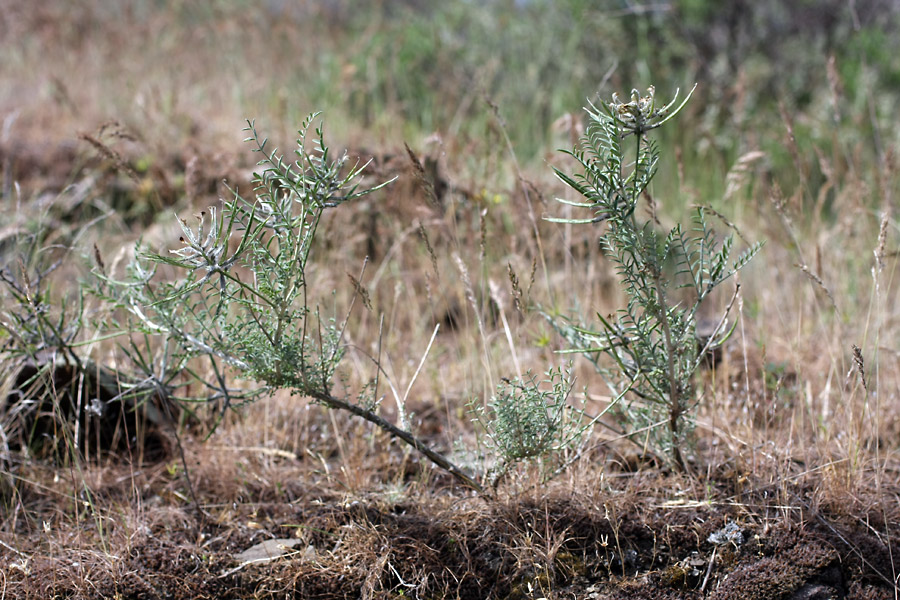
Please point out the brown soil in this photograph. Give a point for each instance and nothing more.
(611, 544)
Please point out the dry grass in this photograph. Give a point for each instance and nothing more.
(793, 442)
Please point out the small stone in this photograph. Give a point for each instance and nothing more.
(269, 550)
(815, 592)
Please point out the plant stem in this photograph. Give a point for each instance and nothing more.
(675, 405)
(439, 460)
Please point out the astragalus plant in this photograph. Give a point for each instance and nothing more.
(650, 346)
(240, 304)
(525, 422)
(239, 297)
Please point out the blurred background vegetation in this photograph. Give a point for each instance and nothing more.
(407, 68)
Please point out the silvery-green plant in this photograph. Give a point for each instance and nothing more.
(240, 296)
(525, 422)
(240, 302)
(651, 345)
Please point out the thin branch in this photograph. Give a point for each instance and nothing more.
(439, 460)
